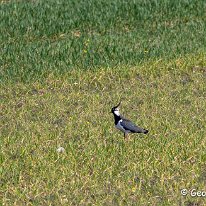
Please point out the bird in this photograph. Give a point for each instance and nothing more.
(125, 125)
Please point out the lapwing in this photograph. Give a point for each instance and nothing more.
(125, 125)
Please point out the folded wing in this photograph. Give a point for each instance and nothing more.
(128, 125)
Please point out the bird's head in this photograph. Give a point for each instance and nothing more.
(115, 110)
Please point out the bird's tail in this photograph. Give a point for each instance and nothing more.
(145, 131)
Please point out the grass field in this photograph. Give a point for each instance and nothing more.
(64, 64)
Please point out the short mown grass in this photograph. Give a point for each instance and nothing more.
(65, 64)
(98, 166)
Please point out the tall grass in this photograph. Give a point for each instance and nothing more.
(40, 37)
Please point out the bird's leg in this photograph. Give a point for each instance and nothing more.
(125, 136)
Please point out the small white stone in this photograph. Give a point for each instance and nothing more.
(60, 149)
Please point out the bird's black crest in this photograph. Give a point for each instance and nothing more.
(118, 105)
(114, 108)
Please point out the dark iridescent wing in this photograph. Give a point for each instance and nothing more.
(128, 125)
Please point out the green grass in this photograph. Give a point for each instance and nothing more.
(40, 37)
(64, 64)
(99, 167)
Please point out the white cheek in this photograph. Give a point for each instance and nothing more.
(117, 112)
